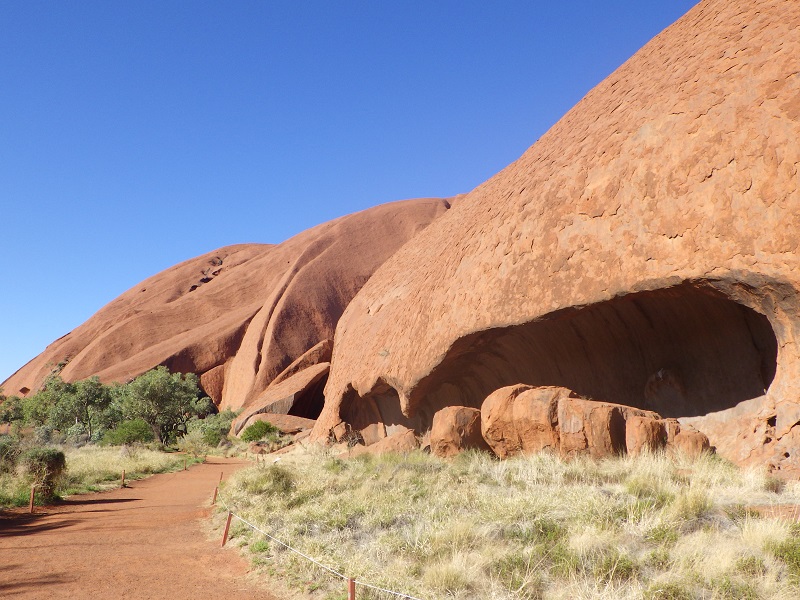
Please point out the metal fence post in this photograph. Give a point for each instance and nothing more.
(351, 589)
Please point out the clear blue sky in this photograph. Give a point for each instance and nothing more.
(135, 135)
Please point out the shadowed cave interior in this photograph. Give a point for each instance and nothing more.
(308, 403)
(681, 351)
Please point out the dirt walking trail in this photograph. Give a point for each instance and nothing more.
(140, 542)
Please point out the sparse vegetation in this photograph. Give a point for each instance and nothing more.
(63, 471)
(648, 527)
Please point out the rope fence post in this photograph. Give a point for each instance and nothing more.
(33, 495)
(123, 478)
(227, 527)
(184, 464)
(351, 589)
(214, 501)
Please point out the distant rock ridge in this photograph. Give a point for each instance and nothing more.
(239, 316)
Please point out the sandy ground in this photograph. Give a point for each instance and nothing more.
(144, 541)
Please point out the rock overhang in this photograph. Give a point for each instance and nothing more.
(677, 174)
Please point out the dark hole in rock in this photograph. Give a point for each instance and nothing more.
(308, 404)
(682, 351)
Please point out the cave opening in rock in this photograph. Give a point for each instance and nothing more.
(308, 403)
(682, 351)
(377, 414)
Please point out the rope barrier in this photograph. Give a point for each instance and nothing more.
(309, 558)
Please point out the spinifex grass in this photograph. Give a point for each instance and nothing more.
(534, 527)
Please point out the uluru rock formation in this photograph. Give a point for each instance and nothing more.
(643, 252)
(240, 316)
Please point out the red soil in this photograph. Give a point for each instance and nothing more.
(144, 541)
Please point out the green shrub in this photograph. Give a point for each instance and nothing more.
(129, 432)
(751, 566)
(788, 551)
(663, 533)
(9, 453)
(667, 591)
(259, 430)
(658, 559)
(213, 428)
(519, 572)
(46, 465)
(275, 480)
(259, 546)
(565, 563)
(614, 566)
(193, 443)
(730, 589)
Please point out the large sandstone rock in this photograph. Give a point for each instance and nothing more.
(455, 429)
(643, 251)
(401, 442)
(643, 434)
(238, 316)
(522, 419)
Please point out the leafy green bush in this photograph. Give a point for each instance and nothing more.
(9, 453)
(258, 431)
(129, 432)
(193, 443)
(46, 465)
(10, 409)
(213, 428)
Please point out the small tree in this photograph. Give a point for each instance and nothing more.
(165, 401)
(11, 409)
(82, 403)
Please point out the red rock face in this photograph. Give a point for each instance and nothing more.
(238, 316)
(644, 252)
(521, 419)
(455, 429)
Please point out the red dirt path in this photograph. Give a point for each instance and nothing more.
(140, 542)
